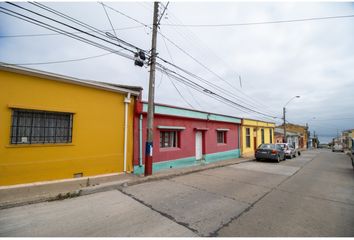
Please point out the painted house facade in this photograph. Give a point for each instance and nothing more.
(293, 139)
(254, 133)
(301, 131)
(185, 137)
(55, 127)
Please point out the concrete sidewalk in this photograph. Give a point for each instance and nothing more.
(18, 195)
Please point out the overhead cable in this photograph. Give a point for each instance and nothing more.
(259, 23)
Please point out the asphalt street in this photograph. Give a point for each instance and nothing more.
(311, 195)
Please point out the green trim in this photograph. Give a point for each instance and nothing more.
(171, 127)
(190, 161)
(178, 163)
(219, 156)
(179, 112)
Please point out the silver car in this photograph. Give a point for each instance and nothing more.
(290, 152)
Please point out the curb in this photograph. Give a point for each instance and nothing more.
(122, 183)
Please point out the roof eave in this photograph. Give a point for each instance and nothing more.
(62, 78)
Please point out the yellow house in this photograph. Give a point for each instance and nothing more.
(254, 133)
(56, 127)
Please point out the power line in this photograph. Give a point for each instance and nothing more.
(174, 85)
(208, 69)
(208, 91)
(164, 10)
(56, 34)
(131, 18)
(258, 23)
(61, 61)
(109, 19)
(168, 51)
(69, 26)
(200, 88)
(60, 31)
(194, 36)
(331, 119)
(210, 84)
(87, 26)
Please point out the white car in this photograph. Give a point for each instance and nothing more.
(337, 148)
(290, 152)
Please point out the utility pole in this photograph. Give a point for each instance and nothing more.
(285, 140)
(307, 135)
(150, 115)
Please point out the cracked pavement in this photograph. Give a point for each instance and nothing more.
(311, 195)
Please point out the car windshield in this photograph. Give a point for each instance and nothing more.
(283, 146)
(267, 146)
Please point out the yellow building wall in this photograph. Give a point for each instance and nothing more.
(97, 138)
(255, 131)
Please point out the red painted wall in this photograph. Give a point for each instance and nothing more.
(186, 137)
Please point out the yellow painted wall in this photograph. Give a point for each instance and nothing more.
(98, 130)
(255, 130)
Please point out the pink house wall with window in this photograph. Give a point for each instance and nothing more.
(185, 137)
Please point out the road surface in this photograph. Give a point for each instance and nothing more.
(311, 195)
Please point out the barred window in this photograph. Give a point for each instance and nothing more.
(168, 139)
(262, 134)
(34, 127)
(221, 136)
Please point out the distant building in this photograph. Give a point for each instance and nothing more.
(254, 133)
(347, 136)
(301, 131)
(56, 127)
(293, 138)
(185, 137)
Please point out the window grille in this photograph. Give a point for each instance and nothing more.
(35, 127)
(262, 133)
(221, 136)
(168, 139)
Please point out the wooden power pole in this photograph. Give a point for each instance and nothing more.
(150, 115)
(284, 126)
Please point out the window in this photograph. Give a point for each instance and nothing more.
(262, 134)
(271, 135)
(34, 127)
(221, 136)
(168, 139)
(248, 137)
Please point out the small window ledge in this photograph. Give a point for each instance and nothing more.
(40, 145)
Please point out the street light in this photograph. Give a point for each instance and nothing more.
(285, 140)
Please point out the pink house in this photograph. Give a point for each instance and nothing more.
(185, 137)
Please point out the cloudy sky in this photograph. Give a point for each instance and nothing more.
(312, 59)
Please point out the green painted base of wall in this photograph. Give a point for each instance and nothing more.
(219, 156)
(188, 162)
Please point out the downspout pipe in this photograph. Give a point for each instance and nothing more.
(141, 140)
(127, 100)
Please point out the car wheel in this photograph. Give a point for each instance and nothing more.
(278, 159)
(298, 153)
(290, 156)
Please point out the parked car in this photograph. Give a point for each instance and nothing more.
(352, 155)
(270, 152)
(290, 152)
(337, 147)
